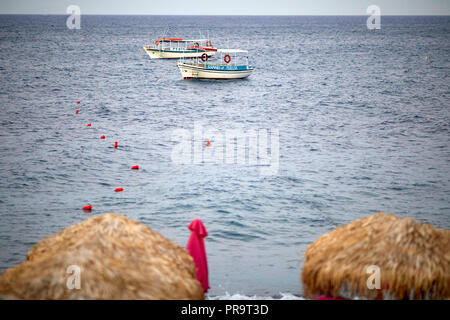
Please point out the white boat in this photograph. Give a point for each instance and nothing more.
(232, 68)
(175, 48)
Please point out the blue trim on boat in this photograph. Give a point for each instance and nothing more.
(225, 68)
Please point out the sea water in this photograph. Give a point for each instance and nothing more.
(362, 116)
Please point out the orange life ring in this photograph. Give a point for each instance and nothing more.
(227, 58)
(204, 57)
(208, 43)
(157, 42)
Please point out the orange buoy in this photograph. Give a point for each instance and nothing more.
(89, 207)
(118, 189)
(208, 143)
(135, 168)
(102, 137)
(78, 102)
(115, 144)
(88, 124)
(76, 112)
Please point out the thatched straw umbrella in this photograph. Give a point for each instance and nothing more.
(119, 259)
(413, 259)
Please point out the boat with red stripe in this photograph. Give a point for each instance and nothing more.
(175, 48)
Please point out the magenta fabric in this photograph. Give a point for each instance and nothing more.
(196, 248)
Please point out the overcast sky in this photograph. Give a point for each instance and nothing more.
(229, 7)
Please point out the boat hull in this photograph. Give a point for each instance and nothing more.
(175, 54)
(196, 72)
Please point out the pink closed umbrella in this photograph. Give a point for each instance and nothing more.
(196, 248)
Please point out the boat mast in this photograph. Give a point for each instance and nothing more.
(166, 29)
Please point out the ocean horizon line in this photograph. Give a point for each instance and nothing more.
(225, 15)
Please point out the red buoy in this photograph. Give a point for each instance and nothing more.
(115, 144)
(208, 143)
(88, 124)
(135, 167)
(89, 207)
(118, 189)
(102, 137)
(78, 102)
(76, 112)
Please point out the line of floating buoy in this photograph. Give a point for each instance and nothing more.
(116, 144)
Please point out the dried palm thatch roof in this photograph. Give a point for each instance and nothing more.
(119, 259)
(413, 259)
